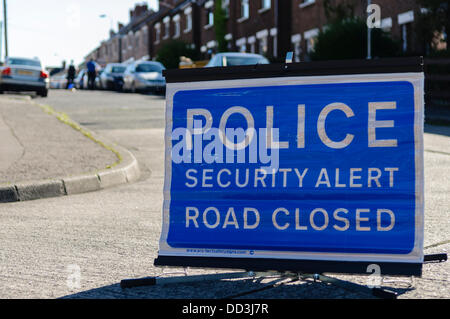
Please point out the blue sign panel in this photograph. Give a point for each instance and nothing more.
(316, 168)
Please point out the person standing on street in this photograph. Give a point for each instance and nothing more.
(71, 72)
(92, 73)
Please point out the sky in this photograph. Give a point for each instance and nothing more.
(57, 30)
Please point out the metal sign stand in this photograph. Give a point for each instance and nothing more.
(279, 278)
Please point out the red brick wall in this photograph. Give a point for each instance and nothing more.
(312, 16)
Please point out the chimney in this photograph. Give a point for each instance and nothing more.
(138, 11)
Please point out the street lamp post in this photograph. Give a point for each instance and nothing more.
(104, 16)
(369, 33)
(1, 37)
(5, 20)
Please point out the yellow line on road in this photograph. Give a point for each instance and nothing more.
(64, 118)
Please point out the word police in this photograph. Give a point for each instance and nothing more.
(247, 136)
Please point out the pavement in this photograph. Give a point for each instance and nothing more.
(45, 154)
(82, 246)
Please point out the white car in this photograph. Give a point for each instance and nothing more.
(236, 58)
(24, 75)
(58, 81)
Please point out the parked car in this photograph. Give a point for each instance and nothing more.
(98, 85)
(144, 76)
(58, 81)
(80, 79)
(24, 75)
(236, 58)
(112, 77)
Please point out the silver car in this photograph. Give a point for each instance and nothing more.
(236, 58)
(24, 75)
(144, 76)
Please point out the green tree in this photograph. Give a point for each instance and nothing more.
(220, 26)
(432, 21)
(346, 39)
(169, 54)
(339, 10)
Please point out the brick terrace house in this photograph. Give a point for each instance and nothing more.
(268, 27)
(252, 26)
(308, 19)
(176, 20)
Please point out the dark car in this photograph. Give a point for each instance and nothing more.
(24, 75)
(112, 77)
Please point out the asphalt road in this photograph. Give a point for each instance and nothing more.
(82, 246)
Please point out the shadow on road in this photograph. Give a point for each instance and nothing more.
(438, 130)
(233, 289)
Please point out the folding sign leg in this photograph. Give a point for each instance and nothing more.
(152, 281)
(435, 258)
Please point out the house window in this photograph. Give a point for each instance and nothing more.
(125, 44)
(274, 35)
(226, 7)
(406, 37)
(296, 40)
(251, 40)
(305, 3)
(166, 27)
(262, 41)
(405, 22)
(176, 22)
(137, 38)
(209, 6)
(263, 46)
(241, 44)
(188, 14)
(310, 44)
(210, 17)
(145, 36)
(310, 41)
(386, 24)
(265, 5)
(245, 9)
(130, 40)
(157, 32)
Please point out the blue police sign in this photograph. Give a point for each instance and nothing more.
(302, 168)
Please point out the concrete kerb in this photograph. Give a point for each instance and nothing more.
(125, 170)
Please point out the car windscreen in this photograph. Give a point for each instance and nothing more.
(118, 69)
(146, 68)
(27, 62)
(232, 61)
(214, 62)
